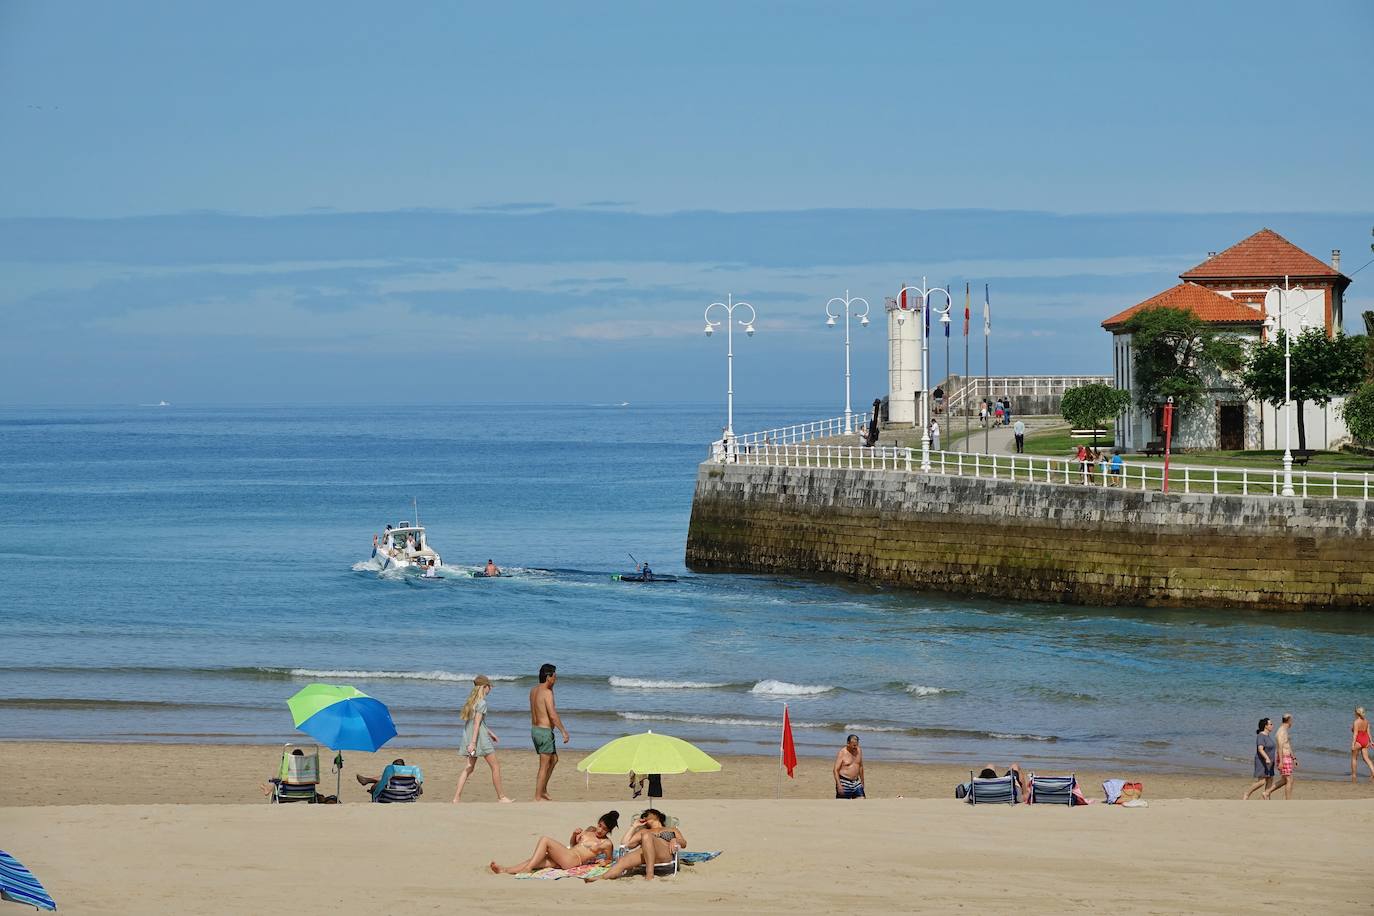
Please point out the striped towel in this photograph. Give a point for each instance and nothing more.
(18, 884)
(577, 871)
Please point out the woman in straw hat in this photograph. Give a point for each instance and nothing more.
(478, 741)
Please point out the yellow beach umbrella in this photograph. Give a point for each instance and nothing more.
(648, 753)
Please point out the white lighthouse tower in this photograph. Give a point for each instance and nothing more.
(904, 381)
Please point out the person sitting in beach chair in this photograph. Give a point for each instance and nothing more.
(1053, 790)
(585, 846)
(398, 783)
(297, 779)
(987, 788)
(650, 844)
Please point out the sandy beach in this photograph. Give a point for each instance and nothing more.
(170, 829)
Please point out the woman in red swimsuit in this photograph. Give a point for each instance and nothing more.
(1359, 743)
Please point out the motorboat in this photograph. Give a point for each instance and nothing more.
(403, 546)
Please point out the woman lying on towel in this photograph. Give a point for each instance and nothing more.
(648, 843)
(585, 846)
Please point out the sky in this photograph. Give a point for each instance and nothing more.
(249, 203)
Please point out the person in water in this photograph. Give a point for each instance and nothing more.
(492, 569)
(648, 843)
(1359, 743)
(585, 846)
(431, 572)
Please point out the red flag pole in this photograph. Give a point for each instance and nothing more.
(781, 746)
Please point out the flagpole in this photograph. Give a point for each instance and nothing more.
(987, 378)
(967, 434)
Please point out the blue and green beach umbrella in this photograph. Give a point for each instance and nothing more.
(342, 719)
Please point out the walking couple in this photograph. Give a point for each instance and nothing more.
(479, 741)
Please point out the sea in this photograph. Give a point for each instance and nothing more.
(174, 574)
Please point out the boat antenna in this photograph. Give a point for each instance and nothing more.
(415, 504)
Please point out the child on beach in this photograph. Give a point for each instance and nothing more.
(478, 740)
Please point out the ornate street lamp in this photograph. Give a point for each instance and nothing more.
(831, 318)
(729, 306)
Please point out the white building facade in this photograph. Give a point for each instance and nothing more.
(1234, 291)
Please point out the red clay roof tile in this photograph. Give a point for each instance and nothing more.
(1210, 306)
(1265, 255)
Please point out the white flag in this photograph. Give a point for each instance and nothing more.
(987, 318)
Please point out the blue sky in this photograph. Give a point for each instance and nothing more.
(247, 203)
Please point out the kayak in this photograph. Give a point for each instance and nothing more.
(483, 575)
(639, 579)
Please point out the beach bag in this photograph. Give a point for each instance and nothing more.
(961, 790)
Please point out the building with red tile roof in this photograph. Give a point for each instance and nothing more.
(1228, 290)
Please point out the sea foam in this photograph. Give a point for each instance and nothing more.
(784, 689)
(921, 690)
(719, 720)
(446, 676)
(640, 683)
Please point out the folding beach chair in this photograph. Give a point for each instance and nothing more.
(298, 779)
(398, 784)
(660, 868)
(1052, 790)
(1000, 791)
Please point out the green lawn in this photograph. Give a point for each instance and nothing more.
(1056, 443)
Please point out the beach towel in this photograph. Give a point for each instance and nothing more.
(1112, 789)
(577, 871)
(18, 885)
(694, 858)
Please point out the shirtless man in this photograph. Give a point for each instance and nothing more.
(492, 569)
(1287, 760)
(849, 770)
(543, 720)
(587, 845)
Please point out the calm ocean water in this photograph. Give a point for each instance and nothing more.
(175, 574)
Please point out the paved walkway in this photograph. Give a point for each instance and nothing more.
(1000, 440)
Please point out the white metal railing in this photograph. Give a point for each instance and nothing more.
(975, 387)
(1042, 469)
(799, 432)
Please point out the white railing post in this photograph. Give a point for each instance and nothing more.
(1215, 491)
(1304, 484)
(1185, 480)
(1335, 482)
(1244, 482)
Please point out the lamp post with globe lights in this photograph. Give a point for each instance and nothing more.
(728, 307)
(1276, 307)
(830, 319)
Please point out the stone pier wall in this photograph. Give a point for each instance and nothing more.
(1049, 542)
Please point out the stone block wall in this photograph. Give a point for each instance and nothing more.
(1049, 542)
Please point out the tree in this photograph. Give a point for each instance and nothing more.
(1174, 351)
(1092, 405)
(1358, 412)
(1322, 368)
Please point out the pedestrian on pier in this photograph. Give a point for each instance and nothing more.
(1019, 431)
(935, 435)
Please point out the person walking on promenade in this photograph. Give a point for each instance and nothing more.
(849, 770)
(1265, 749)
(983, 414)
(1359, 743)
(935, 435)
(1288, 761)
(998, 414)
(543, 720)
(478, 740)
(1006, 411)
(1019, 431)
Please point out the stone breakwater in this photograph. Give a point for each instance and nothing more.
(1046, 542)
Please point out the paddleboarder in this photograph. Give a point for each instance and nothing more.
(492, 569)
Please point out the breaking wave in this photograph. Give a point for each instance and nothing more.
(784, 689)
(639, 683)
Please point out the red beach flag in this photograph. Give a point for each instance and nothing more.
(789, 750)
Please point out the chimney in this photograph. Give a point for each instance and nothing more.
(1211, 254)
(1336, 260)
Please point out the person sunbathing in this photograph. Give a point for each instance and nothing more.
(585, 846)
(1022, 779)
(648, 843)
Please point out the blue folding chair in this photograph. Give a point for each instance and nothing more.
(1052, 790)
(1003, 790)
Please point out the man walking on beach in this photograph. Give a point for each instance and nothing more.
(1019, 431)
(849, 770)
(543, 720)
(1288, 761)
